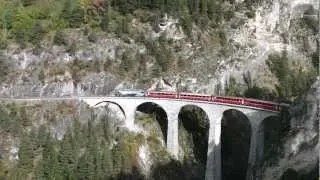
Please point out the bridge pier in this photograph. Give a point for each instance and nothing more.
(256, 119)
(213, 167)
(173, 132)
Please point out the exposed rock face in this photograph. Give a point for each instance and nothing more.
(273, 29)
(300, 149)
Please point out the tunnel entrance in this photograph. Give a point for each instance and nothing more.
(268, 140)
(154, 118)
(193, 138)
(235, 144)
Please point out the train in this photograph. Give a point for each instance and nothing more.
(201, 97)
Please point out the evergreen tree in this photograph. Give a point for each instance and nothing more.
(79, 136)
(27, 2)
(3, 171)
(99, 172)
(26, 155)
(107, 163)
(106, 128)
(67, 156)
(117, 160)
(72, 13)
(4, 66)
(204, 7)
(86, 166)
(185, 18)
(24, 118)
(49, 165)
(106, 18)
(42, 136)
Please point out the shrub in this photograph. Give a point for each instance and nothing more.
(315, 59)
(27, 2)
(92, 37)
(250, 14)
(4, 67)
(232, 88)
(310, 23)
(72, 14)
(60, 39)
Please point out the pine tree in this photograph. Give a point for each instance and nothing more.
(79, 135)
(67, 155)
(25, 120)
(204, 7)
(99, 172)
(104, 24)
(26, 155)
(117, 160)
(86, 166)
(107, 163)
(42, 136)
(48, 167)
(27, 2)
(185, 18)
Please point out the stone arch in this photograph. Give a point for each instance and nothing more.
(268, 139)
(235, 144)
(111, 102)
(158, 113)
(193, 135)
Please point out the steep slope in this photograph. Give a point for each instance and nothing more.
(146, 53)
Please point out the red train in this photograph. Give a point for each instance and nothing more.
(217, 99)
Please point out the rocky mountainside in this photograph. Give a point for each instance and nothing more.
(202, 61)
(299, 154)
(265, 49)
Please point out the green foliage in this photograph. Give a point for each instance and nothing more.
(27, 2)
(250, 3)
(30, 20)
(72, 13)
(232, 88)
(250, 14)
(310, 23)
(3, 170)
(257, 93)
(26, 155)
(26, 25)
(60, 38)
(41, 76)
(294, 81)
(67, 157)
(126, 63)
(48, 167)
(4, 66)
(315, 57)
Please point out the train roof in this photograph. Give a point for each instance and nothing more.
(130, 90)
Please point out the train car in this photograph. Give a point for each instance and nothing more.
(261, 104)
(162, 94)
(196, 97)
(228, 100)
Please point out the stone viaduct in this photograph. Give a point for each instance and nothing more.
(214, 111)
